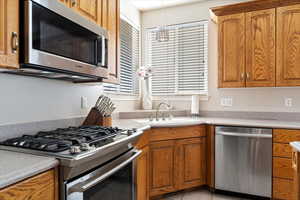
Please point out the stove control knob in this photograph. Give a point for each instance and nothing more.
(130, 132)
(85, 147)
(75, 149)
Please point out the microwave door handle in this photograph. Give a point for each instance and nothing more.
(103, 52)
(88, 185)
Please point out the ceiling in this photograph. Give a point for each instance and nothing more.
(145, 5)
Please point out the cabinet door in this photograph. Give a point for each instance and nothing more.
(191, 163)
(296, 179)
(232, 51)
(9, 33)
(40, 187)
(111, 22)
(260, 48)
(288, 46)
(90, 9)
(143, 175)
(162, 167)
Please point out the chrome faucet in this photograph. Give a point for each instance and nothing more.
(158, 108)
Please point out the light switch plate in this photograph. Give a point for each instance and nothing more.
(288, 102)
(84, 103)
(226, 101)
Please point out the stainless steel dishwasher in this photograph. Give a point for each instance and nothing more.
(243, 160)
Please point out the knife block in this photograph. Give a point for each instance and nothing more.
(95, 118)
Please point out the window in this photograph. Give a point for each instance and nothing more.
(129, 61)
(180, 64)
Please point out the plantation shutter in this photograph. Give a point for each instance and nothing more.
(180, 64)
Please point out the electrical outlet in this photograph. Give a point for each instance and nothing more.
(84, 103)
(226, 101)
(288, 102)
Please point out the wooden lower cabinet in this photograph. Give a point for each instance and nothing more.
(282, 189)
(162, 167)
(296, 177)
(177, 165)
(191, 169)
(142, 174)
(41, 187)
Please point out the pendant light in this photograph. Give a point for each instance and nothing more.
(162, 33)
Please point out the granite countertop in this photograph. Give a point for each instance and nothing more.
(188, 121)
(15, 167)
(295, 145)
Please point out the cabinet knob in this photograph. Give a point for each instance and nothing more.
(14, 42)
(242, 76)
(248, 76)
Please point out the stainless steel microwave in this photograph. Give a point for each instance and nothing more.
(58, 43)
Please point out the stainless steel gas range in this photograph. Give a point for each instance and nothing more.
(95, 162)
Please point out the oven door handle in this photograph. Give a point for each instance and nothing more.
(88, 185)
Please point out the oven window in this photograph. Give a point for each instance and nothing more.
(119, 186)
(57, 35)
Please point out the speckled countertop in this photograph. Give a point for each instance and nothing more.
(295, 145)
(15, 167)
(188, 121)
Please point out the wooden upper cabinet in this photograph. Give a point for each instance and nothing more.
(260, 48)
(232, 51)
(162, 164)
(91, 9)
(191, 163)
(288, 46)
(111, 22)
(9, 33)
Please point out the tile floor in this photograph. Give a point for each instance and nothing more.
(199, 195)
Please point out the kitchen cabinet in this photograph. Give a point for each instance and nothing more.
(111, 22)
(43, 186)
(231, 51)
(296, 174)
(177, 159)
(282, 163)
(191, 169)
(91, 9)
(162, 167)
(260, 48)
(142, 175)
(264, 38)
(288, 46)
(9, 33)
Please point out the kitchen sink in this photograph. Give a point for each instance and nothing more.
(175, 122)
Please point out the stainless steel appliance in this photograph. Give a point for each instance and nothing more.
(95, 162)
(243, 160)
(58, 43)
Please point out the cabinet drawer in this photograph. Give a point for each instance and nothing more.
(282, 168)
(285, 135)
(159, 134)
(282, 150)
(143, 140)
(282, 189)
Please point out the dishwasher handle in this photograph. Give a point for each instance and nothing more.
(249, 135)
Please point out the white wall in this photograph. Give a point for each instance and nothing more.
(250, 99)
(27, 99)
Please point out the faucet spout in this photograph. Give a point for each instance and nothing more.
(158, 109)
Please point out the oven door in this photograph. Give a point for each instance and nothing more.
(58, 38)
(113, 181)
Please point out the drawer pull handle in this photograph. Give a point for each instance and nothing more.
(15, 42)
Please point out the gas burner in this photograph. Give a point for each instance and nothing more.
(74, 139)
